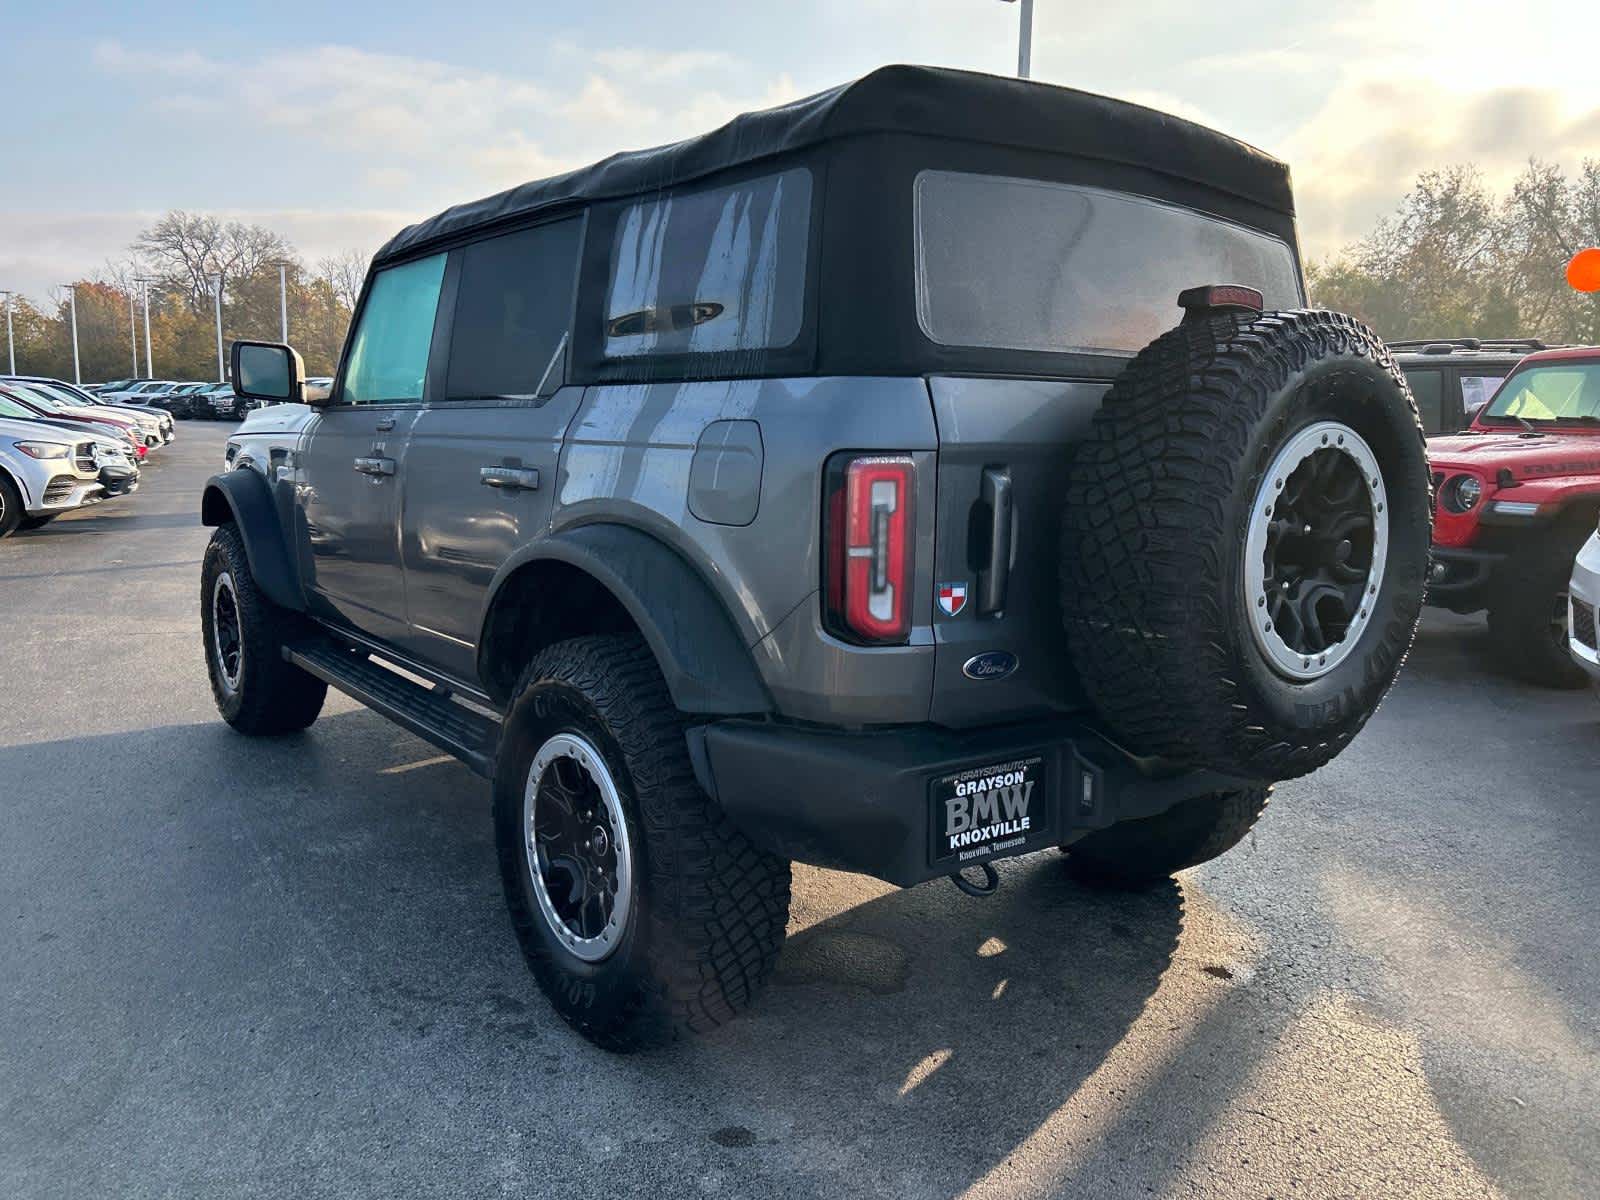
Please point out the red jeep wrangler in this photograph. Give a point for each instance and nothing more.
(1515, 497)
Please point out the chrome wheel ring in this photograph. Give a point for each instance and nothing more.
(1315, 550)
(578, 851)
(227, 634)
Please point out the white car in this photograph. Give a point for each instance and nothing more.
(46, 470)
(266, 438)
(1583, 601)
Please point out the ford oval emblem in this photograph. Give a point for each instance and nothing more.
(992, 664)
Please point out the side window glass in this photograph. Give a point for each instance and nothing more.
(513, 305)
(712, 271)
(1477, 390)
(1428, 388)
(389, 351)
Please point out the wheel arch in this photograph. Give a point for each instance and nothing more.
(607, 578)
(243, 499)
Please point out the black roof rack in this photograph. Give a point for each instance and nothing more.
(1446, 345)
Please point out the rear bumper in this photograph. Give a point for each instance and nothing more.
(870, 802)
(1458, 578)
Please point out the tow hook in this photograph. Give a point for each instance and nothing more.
(990, 885)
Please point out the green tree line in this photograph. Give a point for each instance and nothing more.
(183, 257)
(1457, 260)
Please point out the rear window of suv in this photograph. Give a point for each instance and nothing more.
(1025, 264)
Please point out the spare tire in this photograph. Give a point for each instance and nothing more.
(1245, 541)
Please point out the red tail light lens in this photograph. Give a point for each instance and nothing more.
(870, 555)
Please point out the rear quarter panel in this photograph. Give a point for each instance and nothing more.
(628, 457)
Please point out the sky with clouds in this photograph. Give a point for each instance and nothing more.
(338, 123)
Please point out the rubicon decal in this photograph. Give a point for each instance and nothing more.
(952, 598)
(989, 810)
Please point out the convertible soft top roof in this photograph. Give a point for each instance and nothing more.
(920, 101)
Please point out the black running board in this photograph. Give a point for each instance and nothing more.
(430, 713)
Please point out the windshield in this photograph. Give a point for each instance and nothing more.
(64, 396)
(37, 396)
(10, 408)
(1555, 393)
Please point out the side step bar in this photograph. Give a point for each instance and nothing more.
(430, 714)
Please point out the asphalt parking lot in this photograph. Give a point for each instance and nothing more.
(233, 967)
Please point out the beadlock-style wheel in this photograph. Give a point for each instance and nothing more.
(1315, 550)
(579, 855)
(225, 631)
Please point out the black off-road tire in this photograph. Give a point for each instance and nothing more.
(1527, 592)
(1136, 854)
(271, 695)
(11, 513)
(39, 522)
(1158, 506)
(709, 910)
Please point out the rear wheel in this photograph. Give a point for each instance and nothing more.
(1528, 611)
(641, 910)
(256, 691)
(1141, 853)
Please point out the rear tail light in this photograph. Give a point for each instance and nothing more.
(870, 558)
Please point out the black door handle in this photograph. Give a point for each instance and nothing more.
(375, 466)
(996, 493)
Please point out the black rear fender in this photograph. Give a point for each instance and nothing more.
(607, 578)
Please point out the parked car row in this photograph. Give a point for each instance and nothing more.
(185, 401)
(1516, 496)
(62, 448)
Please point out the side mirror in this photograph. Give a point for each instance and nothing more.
(268, 371)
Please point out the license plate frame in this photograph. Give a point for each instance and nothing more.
(994, 810)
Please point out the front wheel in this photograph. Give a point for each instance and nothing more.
(641, 910)
(11, 513)
(1528, 611)
(1137, 854)
(256, 691)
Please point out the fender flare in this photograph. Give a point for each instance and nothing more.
(244, 498)
(707, 667)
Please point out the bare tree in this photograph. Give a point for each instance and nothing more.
(345, 273)
(190, 250)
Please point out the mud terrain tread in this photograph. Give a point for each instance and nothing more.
(1153, 514)
(274, 697)
(1139, 853)
(716, 907)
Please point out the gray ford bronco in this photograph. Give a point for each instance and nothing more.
(939, 469)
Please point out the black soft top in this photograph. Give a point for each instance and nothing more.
(925, 101)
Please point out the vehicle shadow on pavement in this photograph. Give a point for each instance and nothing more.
(335, 894)
(309, 930)
(97, 520)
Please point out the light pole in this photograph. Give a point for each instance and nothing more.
(283, 301)
(72, 299)
(222, 371)
(11, 347)
(1024, 40)
(145, 281)
(133, 334)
